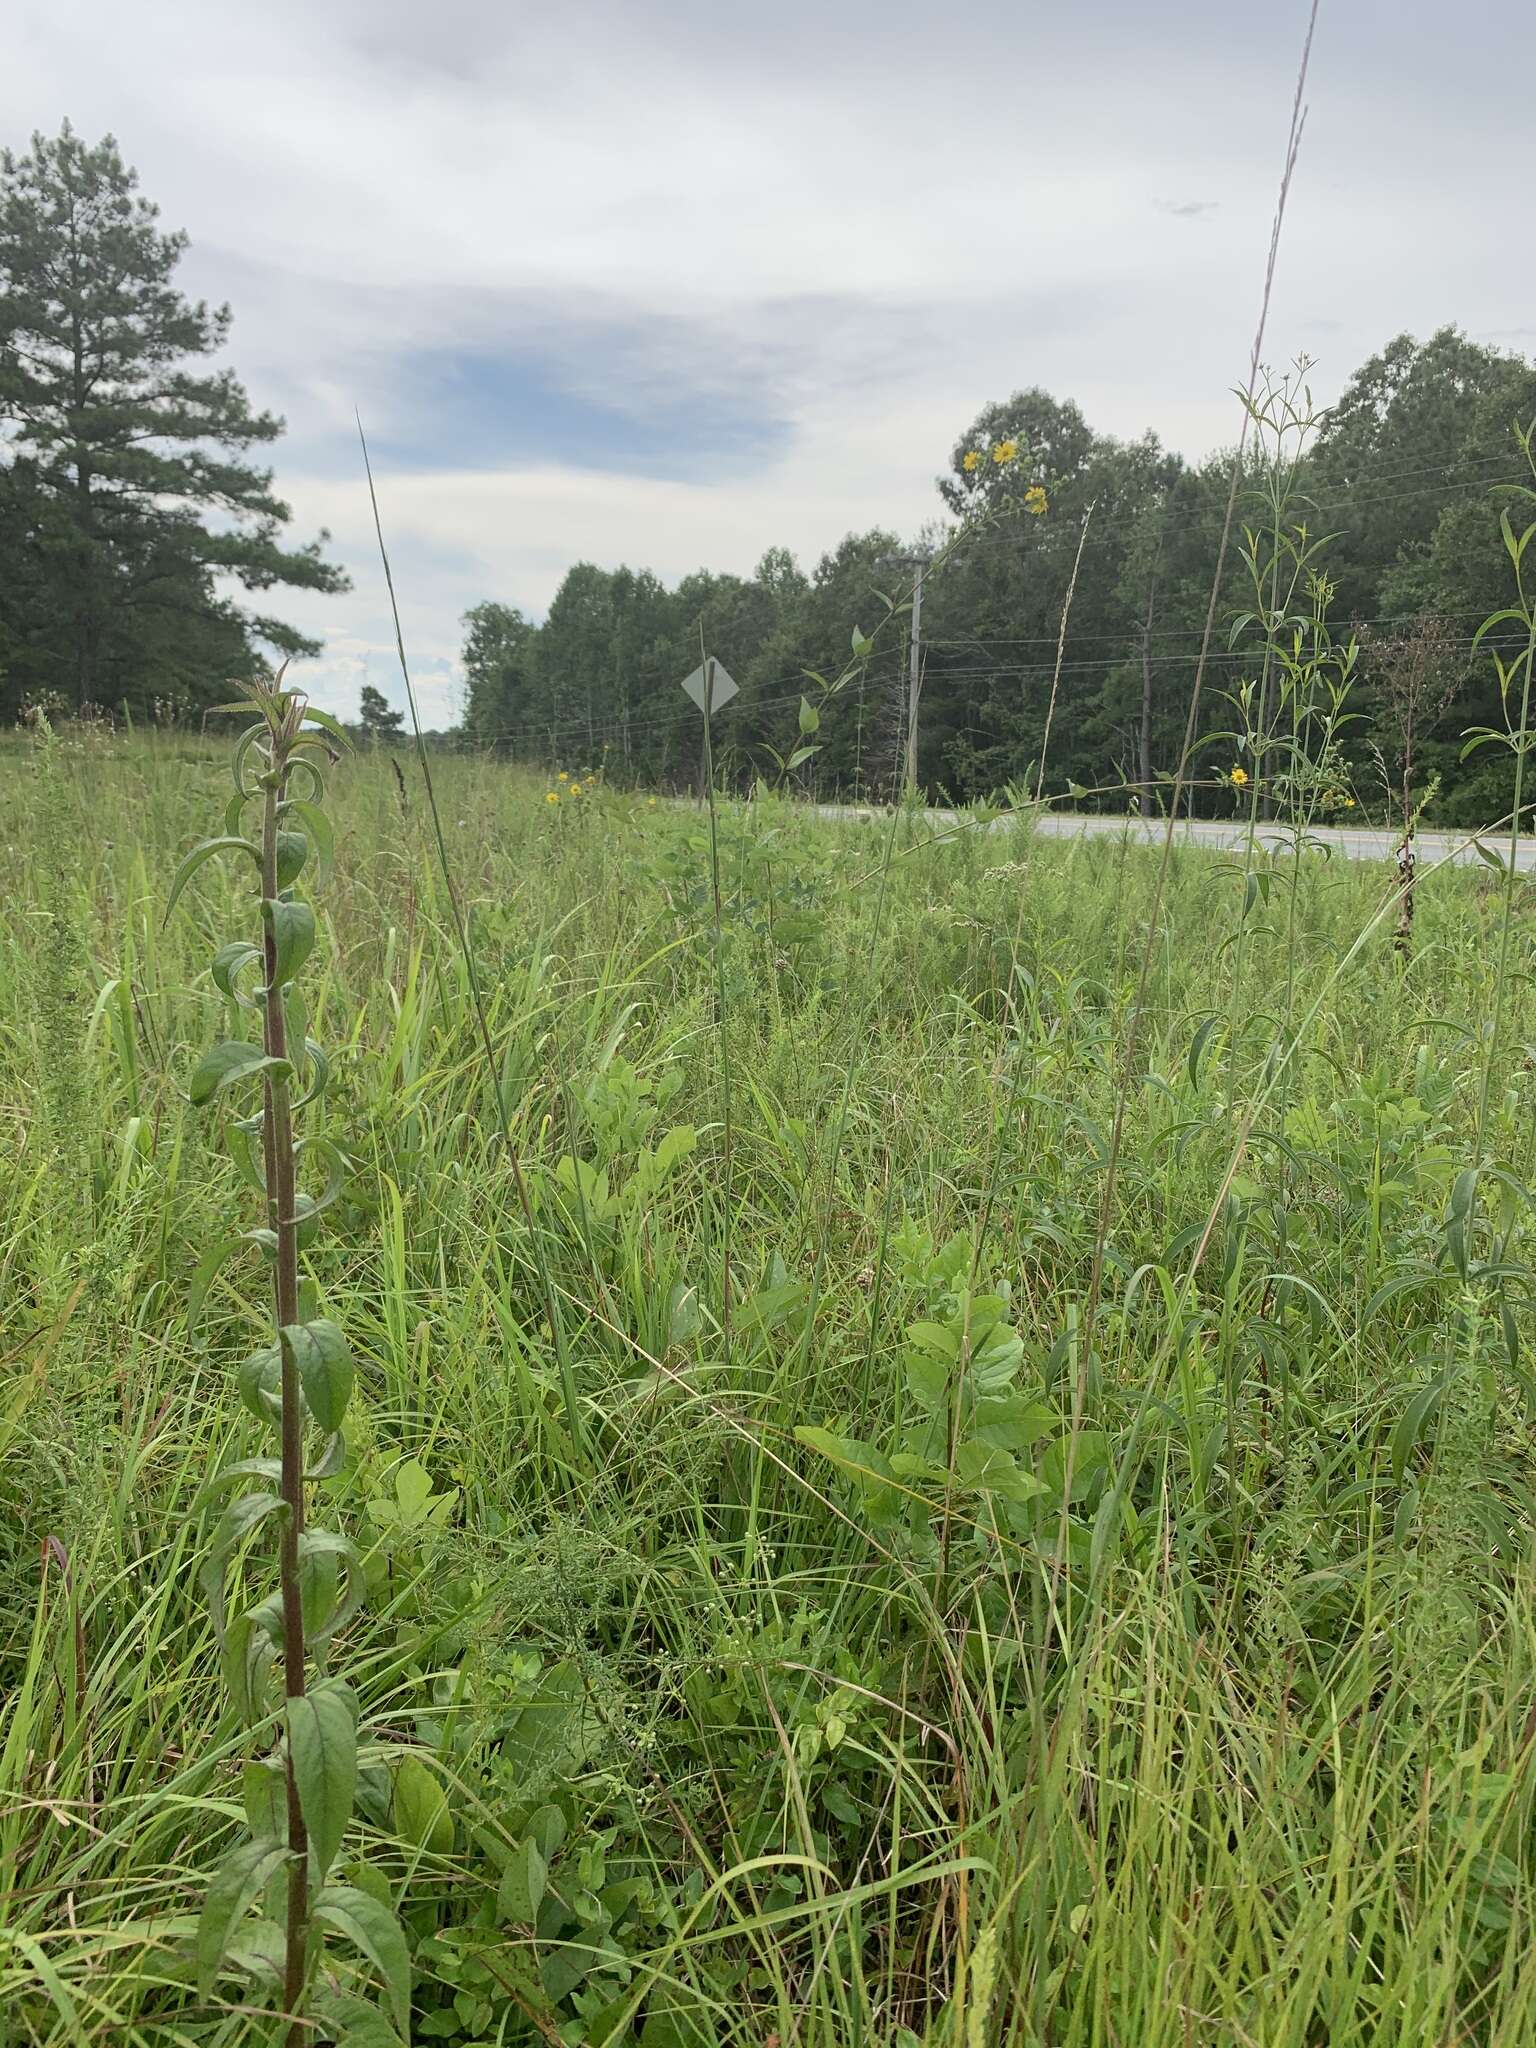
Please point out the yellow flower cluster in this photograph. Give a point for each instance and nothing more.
(1002, 453)
(1035, 500)
(566, 787)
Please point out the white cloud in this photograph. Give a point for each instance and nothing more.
(870, 219)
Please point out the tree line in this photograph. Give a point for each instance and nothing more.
(1396, 497)
(141, 539)
(135, 527)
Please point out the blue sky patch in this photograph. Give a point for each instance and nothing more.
(476, 409)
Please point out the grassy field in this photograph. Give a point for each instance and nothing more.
(910, 1604)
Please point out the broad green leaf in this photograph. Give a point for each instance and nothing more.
(292, 850)
(247, 1468)
(318, 1062)
(203, 1277)
(237, 1883)
(205, 850)
(259, 1382)
(355, 2022)
(375, 1931)
(421, 1810)
(317, 1543)
(322, 1743)
(319, 1585)
(936, 1338)
(521, 1891)
(292, 928)
(546, 1827)
(228, 964)
(810, 717)
(236, 1059)
(324, 1365)
(264, 1795)
(244, 1515)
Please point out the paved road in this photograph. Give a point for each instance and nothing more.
(1356, 842)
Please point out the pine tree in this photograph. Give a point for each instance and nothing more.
(378, 721)
(132, 508)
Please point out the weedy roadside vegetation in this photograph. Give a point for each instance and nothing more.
(938, 1422)
(912, 1667)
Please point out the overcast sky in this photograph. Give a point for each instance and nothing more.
(673, 281)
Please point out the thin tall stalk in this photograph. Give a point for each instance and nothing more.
(1191, 725)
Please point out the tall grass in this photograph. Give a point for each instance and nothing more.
(739, 1731)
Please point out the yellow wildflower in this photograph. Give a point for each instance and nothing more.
(1349, 803)
(562, 776)
(552, 796)
(1005, 451)
(650, 803)
(1034, 500)
(1239, 778)
(971, 459)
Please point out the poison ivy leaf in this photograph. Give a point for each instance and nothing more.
(322, 1744)
(237, 1884)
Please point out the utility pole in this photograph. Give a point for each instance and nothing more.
(918, 563)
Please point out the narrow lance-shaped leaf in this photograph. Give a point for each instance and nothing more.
(374, 1930)
(238, 1883)
(205, 850)
(315, 716)
(318, 827)
(322, 1746)
(244, 1515)
(317, 1543)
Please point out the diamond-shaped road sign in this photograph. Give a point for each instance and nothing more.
(722, 688)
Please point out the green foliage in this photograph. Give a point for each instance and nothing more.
(918, 1664)
(127, 494)
(304, 1378)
